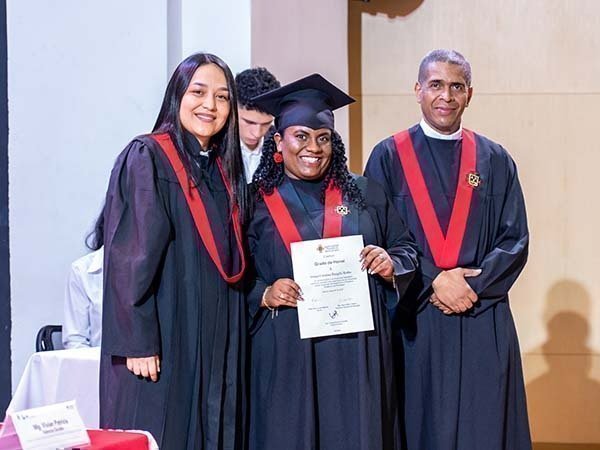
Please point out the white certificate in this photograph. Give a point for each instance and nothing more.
(334, 288)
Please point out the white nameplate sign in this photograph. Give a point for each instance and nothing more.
(53, 426)
(334, 288)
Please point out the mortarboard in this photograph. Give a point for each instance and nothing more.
(308, 102)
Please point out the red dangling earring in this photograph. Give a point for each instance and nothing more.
(277, 158)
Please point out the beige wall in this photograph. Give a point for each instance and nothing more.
(297, 38)
(536, 75)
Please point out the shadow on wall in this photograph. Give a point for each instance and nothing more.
(392, 9)
(564, 402)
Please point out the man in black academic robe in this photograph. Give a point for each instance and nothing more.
(460, 196)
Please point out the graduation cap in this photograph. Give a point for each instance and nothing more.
(308, 102)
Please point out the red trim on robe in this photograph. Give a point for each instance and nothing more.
(445, 249)
(332, 222)
(198, 210)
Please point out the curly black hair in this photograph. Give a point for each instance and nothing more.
(269, 174)
(253, 82)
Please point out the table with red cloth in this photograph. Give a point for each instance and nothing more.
(116, 440)
(101, 440)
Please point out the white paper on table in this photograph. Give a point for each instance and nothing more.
(334, 288)
(52, 426)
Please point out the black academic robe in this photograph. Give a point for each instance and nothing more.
(463, 383)
(327, 393)
(163, 295)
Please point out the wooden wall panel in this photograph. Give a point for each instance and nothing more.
(295, 39)
(537, 89)
(563, 396)
(513, 45)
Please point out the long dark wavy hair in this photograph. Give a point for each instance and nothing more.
(227, 140)
(95, 239)
(269, 174)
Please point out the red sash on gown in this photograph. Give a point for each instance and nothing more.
(332, 223)
(198, 210)
(445, 249)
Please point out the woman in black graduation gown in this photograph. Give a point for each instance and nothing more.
(174, 325)
(335, 392)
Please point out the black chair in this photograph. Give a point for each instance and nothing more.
(49, 338)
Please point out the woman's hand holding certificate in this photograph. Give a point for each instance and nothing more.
(284, 292)
(377, 262)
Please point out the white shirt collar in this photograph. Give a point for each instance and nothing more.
(256, 151)
(430, 132)
(251, 159)
(97, 261)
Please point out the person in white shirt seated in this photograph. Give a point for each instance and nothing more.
(82, 325)
(253, 121)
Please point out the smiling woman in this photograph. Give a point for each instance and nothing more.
(173, 326)
(306, 152)
(205, 105)
(336, 391)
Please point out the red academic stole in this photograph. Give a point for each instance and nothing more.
(445, 249)
(198, 210)
(332, 222)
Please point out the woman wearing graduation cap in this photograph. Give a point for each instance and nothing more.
(335, 392)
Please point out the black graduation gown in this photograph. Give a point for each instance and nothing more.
(163, 295)
(327, 393)
(463, 378)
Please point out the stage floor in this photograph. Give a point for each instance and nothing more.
(548, 446)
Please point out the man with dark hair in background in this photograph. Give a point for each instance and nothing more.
(253, 121)
(460, 196)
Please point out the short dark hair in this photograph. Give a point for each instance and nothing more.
(447, 56)
(253, 82)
